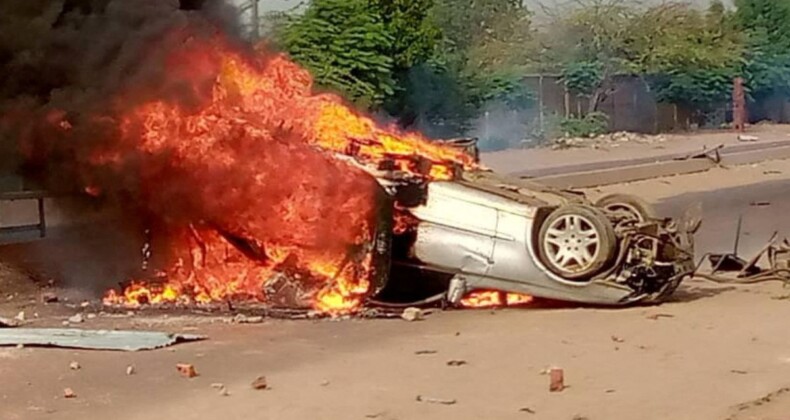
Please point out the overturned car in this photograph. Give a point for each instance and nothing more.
(480, 231)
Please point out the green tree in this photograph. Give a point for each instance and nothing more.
(690, 56)
(346, 46)
(767, 26)
(588, 44)
(415, 36)
(481, 57)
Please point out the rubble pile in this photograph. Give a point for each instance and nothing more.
(609, 140)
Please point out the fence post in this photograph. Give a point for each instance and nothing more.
(540, 102)
(738, 105)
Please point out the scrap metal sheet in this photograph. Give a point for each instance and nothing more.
(92, 339)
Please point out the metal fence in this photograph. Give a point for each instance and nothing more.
(631, 105)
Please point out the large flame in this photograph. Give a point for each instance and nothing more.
(243, 173)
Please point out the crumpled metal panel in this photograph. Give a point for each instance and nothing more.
(92, 339)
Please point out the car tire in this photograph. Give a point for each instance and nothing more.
(634, 206)
(576, 242)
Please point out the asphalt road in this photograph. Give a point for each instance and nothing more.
(697, 357)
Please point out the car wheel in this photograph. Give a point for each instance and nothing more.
(633, 206)
(576, 242)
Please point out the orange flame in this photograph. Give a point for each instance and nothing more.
(252, 158)
(492, 299)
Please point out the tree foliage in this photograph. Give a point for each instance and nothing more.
(346, 45)
(766, 24)
(689, 56)
(483, 53)
(444, 61)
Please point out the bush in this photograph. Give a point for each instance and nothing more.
(591, 125)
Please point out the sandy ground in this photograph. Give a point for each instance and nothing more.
(512, 161)
(712, 353)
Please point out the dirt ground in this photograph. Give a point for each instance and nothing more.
(714, 352)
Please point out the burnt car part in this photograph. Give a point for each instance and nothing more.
(776, 252)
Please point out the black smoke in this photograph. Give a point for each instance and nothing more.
(73, 57)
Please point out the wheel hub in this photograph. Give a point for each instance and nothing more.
(572, 243)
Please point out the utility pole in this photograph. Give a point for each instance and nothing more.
(255, 19)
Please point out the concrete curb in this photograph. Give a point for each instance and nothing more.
(617, 175)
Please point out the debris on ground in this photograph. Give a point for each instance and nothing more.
(69, 393)
(20, 316)
(617, 339)
(456, 363)
(49, 297)
(130, 370)
(186, 370)
(760, 401)
(92, 339)
(325, 383)
(77, 319)
(244, 319)
(556, 380)
(749, 272)
(260, 383)
(747, 138)
(412, 314)
(431, 400)
(9, 323)
(421, 352)
(656, 317)
(739, 372)
(223, 391)
(526, 410)
(608, 140)
(760, 203)
(74, 366)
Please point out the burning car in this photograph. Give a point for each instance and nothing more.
(485, 232)
(260, 189)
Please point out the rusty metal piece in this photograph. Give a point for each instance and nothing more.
(779, 256)
(739, 116)
(751, 267)
(423, 166)
(387, 165)
(353, 149)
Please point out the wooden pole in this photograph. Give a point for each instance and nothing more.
(738, 106)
